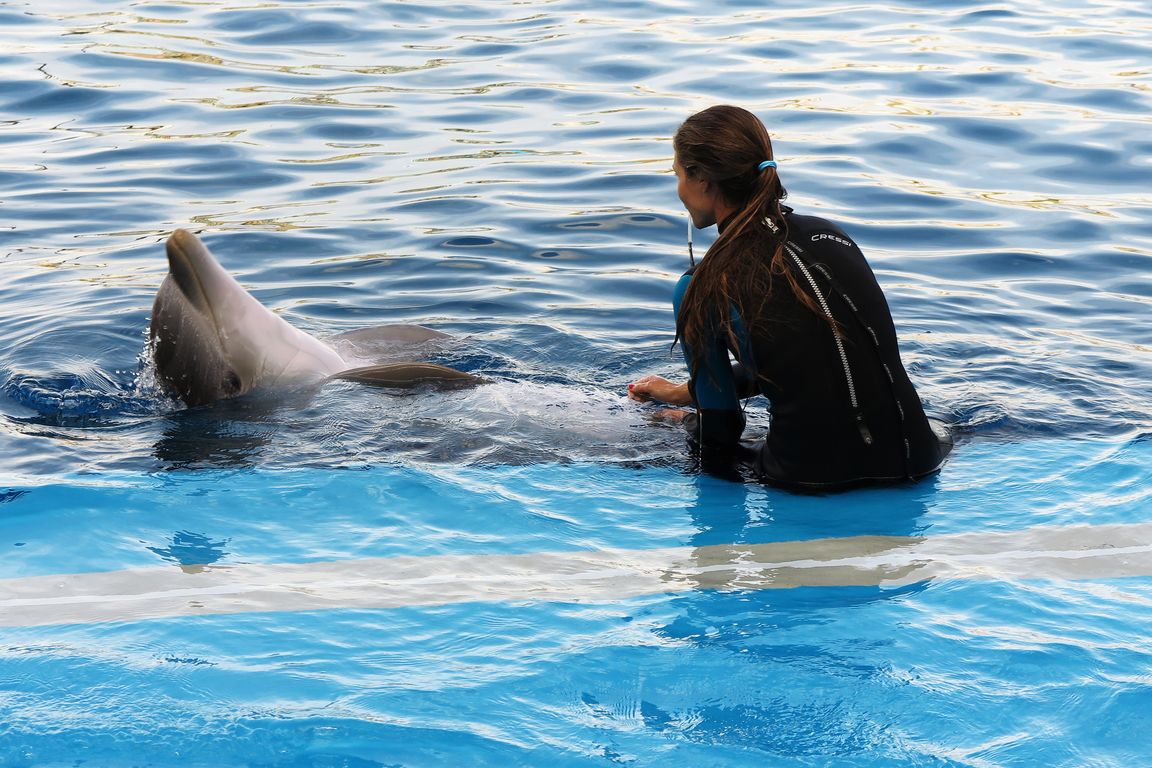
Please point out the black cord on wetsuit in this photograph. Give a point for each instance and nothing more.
(800, 254)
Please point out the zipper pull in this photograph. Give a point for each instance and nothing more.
(865, 433)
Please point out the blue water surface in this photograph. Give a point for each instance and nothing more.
(501, 172)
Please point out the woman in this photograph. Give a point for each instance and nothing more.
(793, 301)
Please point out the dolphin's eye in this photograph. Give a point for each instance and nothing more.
(231, 384)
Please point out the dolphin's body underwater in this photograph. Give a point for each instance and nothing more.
(212, 340)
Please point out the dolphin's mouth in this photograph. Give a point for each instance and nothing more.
(182, 247)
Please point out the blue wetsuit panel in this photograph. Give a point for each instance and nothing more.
(718, 388)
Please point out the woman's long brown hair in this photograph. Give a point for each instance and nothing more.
(725, 146)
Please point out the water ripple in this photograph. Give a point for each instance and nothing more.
(502, 172)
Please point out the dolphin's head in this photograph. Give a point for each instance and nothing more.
(212, 340)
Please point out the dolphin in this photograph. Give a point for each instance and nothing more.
(212, 340)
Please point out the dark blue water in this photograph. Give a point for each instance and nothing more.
(501, 172)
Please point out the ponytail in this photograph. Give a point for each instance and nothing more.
(730, 148)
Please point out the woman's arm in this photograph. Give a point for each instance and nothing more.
(714, 388)
(658, 388)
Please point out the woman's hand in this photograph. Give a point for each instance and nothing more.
(667, 416)
(658, 388)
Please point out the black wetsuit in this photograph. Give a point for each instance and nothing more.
(843, 411)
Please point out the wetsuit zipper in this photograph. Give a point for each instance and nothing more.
(861, 424)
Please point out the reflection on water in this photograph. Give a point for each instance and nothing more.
(191, 550)
(222, 436)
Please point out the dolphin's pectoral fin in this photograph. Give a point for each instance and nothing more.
(387, 344)
(409, 375)
(397, 333)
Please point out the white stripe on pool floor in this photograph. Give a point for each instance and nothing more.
(1075, 552)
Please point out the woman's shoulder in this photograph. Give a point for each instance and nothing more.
(806, 230)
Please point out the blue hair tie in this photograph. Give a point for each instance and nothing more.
(766, 164)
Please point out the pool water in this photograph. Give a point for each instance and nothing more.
(533, 572)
